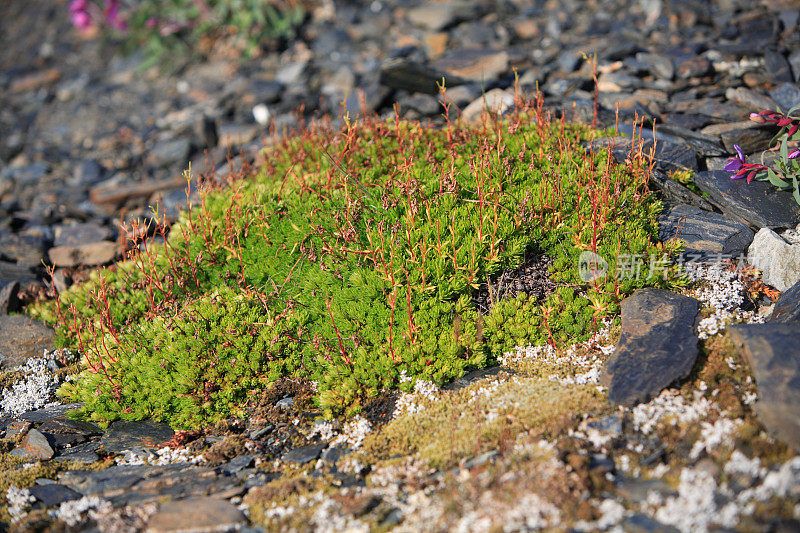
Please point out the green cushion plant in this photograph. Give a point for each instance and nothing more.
(351, 258)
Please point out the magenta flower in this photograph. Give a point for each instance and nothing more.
(794, 154)
(79, 14)
(779, 119)
(112, 15)
(741, 168)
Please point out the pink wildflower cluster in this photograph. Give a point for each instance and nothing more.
(86, 15)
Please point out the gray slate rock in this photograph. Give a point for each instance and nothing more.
(435, 17)
(773, 354)
(171, 152)
(787, 95)
(81, 453)
(196, 514)
(758, 203)
(658, 345)
(49, 413)
(777, 66)
(641, 523)
(402, 73)
(304, 454)
(747, 135)
(54, 494)
(708, 235)
(123, 435)
(25, 250)
(139, 484)
(787, 307)
(63, 432)
(93, 253)
(80, 234)
(34, 446)
(8, 296)
(21, 338)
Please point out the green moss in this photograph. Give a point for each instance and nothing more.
(482, 417)
(13, 473)
(351, 257)
(685, 178)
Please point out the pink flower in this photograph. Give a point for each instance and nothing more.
(79, 13)
(152, 22)
(112, 15)
(794, 153)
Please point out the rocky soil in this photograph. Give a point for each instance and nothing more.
(695, 423)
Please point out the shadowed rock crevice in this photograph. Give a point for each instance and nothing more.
(532, 278)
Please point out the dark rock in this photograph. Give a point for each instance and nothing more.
(773, 354)
(707, 235)
(787, 307)
(473, 64)
(794, 61)
(640, 523)
(169, 153)
(34, 446)
(12, 271)
(196, 514)
(304, 454)
(8, 296)
(712, 108)
(437, 16)
(750, 137)
(95, 253)
(332, 455)
(682, 120)
(21, 338)
(237, 463)
(757, 203)
(693, 67)
(80, 453)
(777, 67)
(702, 144)
(424, 104)
(749, 98)
(402, 73)
(54, 494)
(568, 61)
(79, 234)
(128, 485)
(675, 156)
(25, 250)
(123, 435)
(87, 173)
(50, 413)
(25, 175)
(66, 432)
(657, 346)
(787, 95)
(659, 65)
(678, 193)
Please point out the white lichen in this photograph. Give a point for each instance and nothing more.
(73, 512)
(19, 502)
(36, 388)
